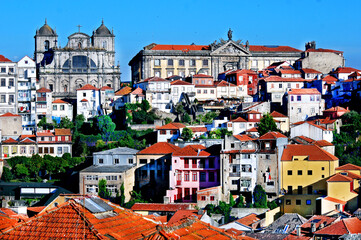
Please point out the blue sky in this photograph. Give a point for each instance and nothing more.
(332, 24)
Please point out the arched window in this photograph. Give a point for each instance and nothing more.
(46, 45)
(79, 45)
(105, 44)
(65, 88)
(79, 64)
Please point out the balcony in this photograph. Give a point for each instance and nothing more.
(234, 174)
(178, 183)
(41, 99)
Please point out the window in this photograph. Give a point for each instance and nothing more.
(143, 161)
(3, 98)
(211, 177)
(203, 198)
(289, 189)
(3, 82)
(212, 198)
(62, 107)
(298, 98)
(299, 190)
(130, 160)
(288, 202)
(11, 98)
(14, 150)
(194, 177)
(23, 150)
(116, 160)
(205, 63)
(289, 172)
(11, 82)
(268, 157)
(309, 189)
(323, 176)
(181, 62)
(46, 45)
(299, 172)
(40, 150)
(308, 202)
(194, 163)
(32, 150)
(309, 172)
(211, 163)
(60, 150)
(212, 91)
(3, 70)
(280, 85)
(234, 182)
(170, 62)
(101, 161)
(299, 110)
(232, 144)
(312, 98)
(192, 62)
(292, 99)
(55, 107)
(157, 62)
(186, 163)
(202, 176)
(298, 202)
(205, 91)
(323, 168)
(186, 176)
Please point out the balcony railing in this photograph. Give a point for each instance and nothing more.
(41, 99)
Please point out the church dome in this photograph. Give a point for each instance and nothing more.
(46, 30)
(103, 30)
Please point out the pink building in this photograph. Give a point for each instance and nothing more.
(193, 168)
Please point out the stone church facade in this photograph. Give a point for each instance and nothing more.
(84, 60)
(185, 60)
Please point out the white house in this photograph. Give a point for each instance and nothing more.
(179, 88)
(43, 104)
(311, 130)
(226, 90)
(304, 103)
(237, 126)
(88, 101)
(61, 109)
(8, 82)
(169, 132)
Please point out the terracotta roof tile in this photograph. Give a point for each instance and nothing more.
(198, 129)
(4, 59)
(346, 70)
(183, 48)
(303, 91)
(239, 119)
(172, 126)
(201, 76)
(124, 91)
(8, 114)
(154, 79)
(243, 137)
(59, 101)
(28, 140)
(87, 87)
(322, 50)
(159, 148)
(106, 88)
(335, 200)
(276, 114)
(310, 70)
(349, 166)
(329, 79)
(281, 79)
(44, 134)
(313, 152)
(257, 48)
(336, 109)
(339, 178)
(272, 136)
(249, 219)
(84, 100)
(323, 143)
(182, 214)
(180, 82)
(192, 150)
(160, 207)
(138, 91)
(289, 71)
(62, 131)
(241, 71)
(43, 90)
(254, 129)
(224, 84)
(10, 140)
(341, 227)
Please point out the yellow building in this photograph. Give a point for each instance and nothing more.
(304, 171)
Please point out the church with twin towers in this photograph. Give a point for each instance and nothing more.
(84, 60)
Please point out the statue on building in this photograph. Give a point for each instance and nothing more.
(230, 34)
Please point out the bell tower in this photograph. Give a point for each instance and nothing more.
(45, 39)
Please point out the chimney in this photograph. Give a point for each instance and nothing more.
(298, 230)
(313, 227)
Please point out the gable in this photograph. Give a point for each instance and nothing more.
(231, 48)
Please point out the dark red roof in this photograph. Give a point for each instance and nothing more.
(180, 82)
(341, 227)
(43, 90)
(281, 79)
(10, 140)
(239, 119)
(4, 59)
(181, 47)
(313, 152)
(272, 136)
(276, 114)
(349, 166)
(303, 91)
(172, 126)
(88, 87)
(160, 207)
(192, 150)
(160, 148)
(256, 48)
(339, 178)
(8, 114)
(323, 50)
(202, 76)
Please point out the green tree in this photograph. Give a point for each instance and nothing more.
(231, 200)
(267, 124)
(21, 170)
(220, 133)
(135, 197)
(272, 205)
(259, 197)
(187, 134)
(42, 122)
(122, 195)
(167, 120)
(240, 202)
(66, 123)
(103, 191)
(145, 105)
(35, 163)
(186, 118)
(7, 175)
(106, 127)
(79, 121)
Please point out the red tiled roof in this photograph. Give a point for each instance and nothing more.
(160, 148)
(348, 166)
(254, 129)
(182, 214)
(198, 129)
(313, 152)
(307, 139)
(336, 109)
(27, 140)
(224, 84)
(339, 178)
(202, 76)
(36, 209)
(162, 219)
(239, 119)
(6, 221)
(272, 136)
(335, 200)
(4, 59)
(303, 91)
(243, 137)
(160, 207)
(281, 79)
(323, 143)
(10, 140)
(154, 79)
(322, 50)
(240, 151)
(249, 219)
(44, 134)
(62, 131)
(341, 227)
(172, 126)
(257, 48)
(181, 47)
(84, 100)
(288, 71)
(318, 220)
(345, 70)
(59, 101)
(276, 114)
(88, 87)
(138, 91)
(310, 70)
(180, 82)
(192, 150)
(350, 174)
(124, 91)
(329, 79)
(43, 90)
(241, 71)
(205, 86)
(252, 111)
(26, 136)
(106, 88)
(8, 114)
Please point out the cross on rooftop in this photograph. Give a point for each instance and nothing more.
(79, 26)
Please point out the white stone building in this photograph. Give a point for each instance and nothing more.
(311, 130)
(43, 104)
(179, 88)
(304, 103)
(8, 86)
(84, 60)
(88, 101)
(26, 91)
(61, 109)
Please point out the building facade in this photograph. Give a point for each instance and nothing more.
(84, 60)
(8, 86)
